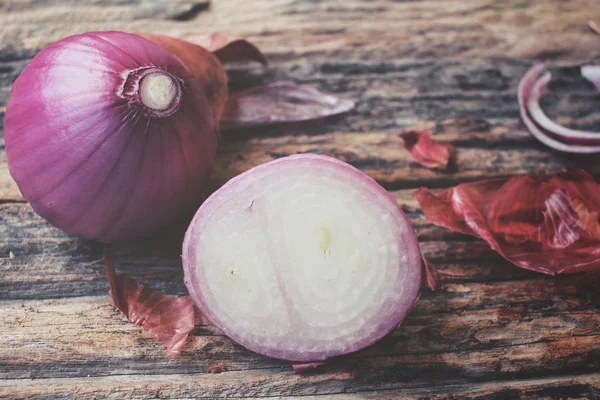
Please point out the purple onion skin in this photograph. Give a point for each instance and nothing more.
(87, 153)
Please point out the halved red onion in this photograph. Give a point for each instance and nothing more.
(543, 128)
(303, 258)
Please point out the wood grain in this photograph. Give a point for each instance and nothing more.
(388, 29)
(491, 330)
(319, 386)
(494, 152)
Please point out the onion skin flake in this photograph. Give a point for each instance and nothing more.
(427, 151)
(278, 103)
(227, 48)
(546, 223)
(167, 319)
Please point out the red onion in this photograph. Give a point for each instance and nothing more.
(543, 128)
(303, 258)
(109, 135)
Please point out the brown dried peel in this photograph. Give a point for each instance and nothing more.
(545, 223)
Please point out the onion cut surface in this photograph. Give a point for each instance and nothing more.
(303, 258)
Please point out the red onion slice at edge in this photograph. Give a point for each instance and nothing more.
(541, 127)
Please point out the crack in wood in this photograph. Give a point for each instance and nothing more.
(191, 11)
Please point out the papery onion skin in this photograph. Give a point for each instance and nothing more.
(249, 193)
(546, 222)
(228, 48)
(427, 151)
(167, 319)
(278, 103)
(89, 156)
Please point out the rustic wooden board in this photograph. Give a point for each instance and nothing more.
(490, 331)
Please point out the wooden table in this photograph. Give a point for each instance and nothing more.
(490, 331)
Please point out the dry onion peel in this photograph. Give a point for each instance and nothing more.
(427, 151)
(545, 223)
(227, 48)
(280, 102)
(307, 367)
(273, 103)
(541, 127)
(216, 368)
(303, 258)
(430, 278)
(167, 319)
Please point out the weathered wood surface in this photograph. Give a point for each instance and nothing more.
(490, 331)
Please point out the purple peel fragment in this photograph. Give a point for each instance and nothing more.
(280, 102)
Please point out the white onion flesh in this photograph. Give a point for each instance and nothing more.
(302, 258)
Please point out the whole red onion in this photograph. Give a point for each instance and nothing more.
(109, 135)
